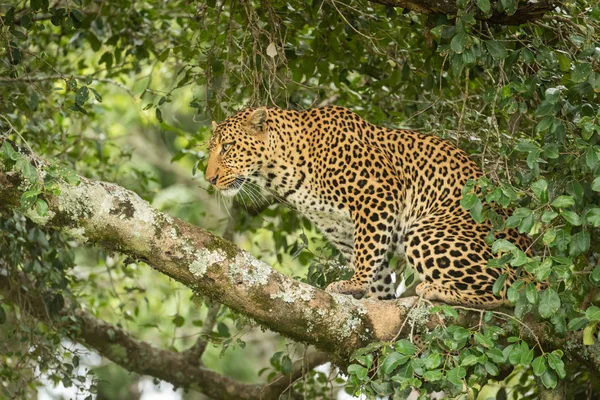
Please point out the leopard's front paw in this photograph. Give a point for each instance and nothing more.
(348, 288)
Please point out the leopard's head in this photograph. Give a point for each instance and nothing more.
(237, 150)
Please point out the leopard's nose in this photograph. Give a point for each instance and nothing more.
(212, 179)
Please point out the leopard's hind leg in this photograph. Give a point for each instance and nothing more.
(451, 260)
(453, 296)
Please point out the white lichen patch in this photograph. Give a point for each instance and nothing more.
(293, 292)
(75, 201)
(348, 301)
(349, 326)
(308, 317)
(203, 259)
(142, 210)
(419, 315)
(99, 199)
(350, 323)
(77, 234)
(249, 270)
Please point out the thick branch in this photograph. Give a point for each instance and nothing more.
(117, 219)
(526, 12)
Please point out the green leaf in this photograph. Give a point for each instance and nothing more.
(577, 323)
(455, 375)
(164, 54)
(405, 347)
(432, 360)
(510, 6)
(433, 376)
(476, 211)
(458, 42)
(496, 355)
(526, 224)
(591, 159)
(159, 115)
(549, 379)
(178, 320)
(571, 217)
(77, 15)
(9, 152)
(96, 95)
(382, 388)
(545, 109)
(107, 58)
(540, 189)
(469, 360)
(496, 49)
(581, 72)
(95, 43)
(499, 284)
(549, 303)
(557, 364)
(593, 313)
(483, 340)
(358, 370)
(286, 365)
(526, 147)
(563, 202)
(514, 356)
(588, 334)
(82, 96)
(491, 369)
(596, 184)
(392, 361)
(548, 216)
(526, 354)
(580, 243)
(449, 311)
(550, 151)
(564, 64)
(2, 315)
(41, 207)
(468, 201)
(27, 170)
(484, 6)
(531, 293)
(595, 275)
(502, 245)
(592, 217)
(539, 366)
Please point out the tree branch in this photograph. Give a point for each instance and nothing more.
(117, 219)
(526, 12)
(197, 350)
(114, 343)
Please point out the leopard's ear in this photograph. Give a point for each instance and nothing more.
(257, 119)
(214, 125)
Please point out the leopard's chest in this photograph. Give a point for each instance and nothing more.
(331, 218)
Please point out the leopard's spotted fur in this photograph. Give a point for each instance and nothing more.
(371, 191)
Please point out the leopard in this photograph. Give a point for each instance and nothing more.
(373, 192)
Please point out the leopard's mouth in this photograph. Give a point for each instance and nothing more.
(234, 187)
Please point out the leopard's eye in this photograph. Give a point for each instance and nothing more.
(225, 147)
